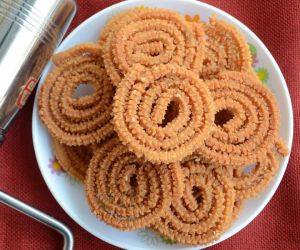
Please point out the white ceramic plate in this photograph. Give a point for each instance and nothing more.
(70, 194)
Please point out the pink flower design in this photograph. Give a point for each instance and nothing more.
(54, 166)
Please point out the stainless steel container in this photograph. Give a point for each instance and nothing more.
(30, 30)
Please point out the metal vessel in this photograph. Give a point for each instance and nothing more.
(30, 30)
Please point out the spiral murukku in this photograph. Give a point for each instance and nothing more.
(151, 37)
(126, 192)
(250, 184)
(77, 121)
(226, 49)
(73, 159)
(140, 106)
(114, 24)
(204, 211)
(246, 120)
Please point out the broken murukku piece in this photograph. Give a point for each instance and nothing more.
(126, 192)
(151, 37)
(82, 120)
(225, 49)
(246, 120)
(73, 159)
(281, 147)
(249, 183)
(204, 211)
(141, 104)
(237, 208)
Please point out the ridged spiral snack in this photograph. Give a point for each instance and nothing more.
(73, 159)
(225, 49)
(204, 211)
(150, 37)
(84, 120)
(246, 120)
(140, 106)
(248, 185)
(126, 192)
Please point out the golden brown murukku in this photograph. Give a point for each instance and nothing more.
(92, 50)
(73, 120)
(226, 49)
(125, 191)
(204, 211)
(73, 159)
(281, 147)
(250, 184)
(237, 208)
(114, 24)
(246, 120)
(151, 37)
(140, 106)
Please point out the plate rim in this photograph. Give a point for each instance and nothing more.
(233, 20)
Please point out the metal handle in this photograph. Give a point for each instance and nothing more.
(41, 217)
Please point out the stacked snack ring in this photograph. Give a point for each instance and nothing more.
(73, 159)
(246, 120)
(140, 106)
(126, 192)
(226, 49)
(84, 120)
(248, 185)
(151, 37)
(204, 211)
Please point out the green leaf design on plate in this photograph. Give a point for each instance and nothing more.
(252, 49)
(140, 7)
(262, 74)
(72, 180)
(167, 241)
(149, 237)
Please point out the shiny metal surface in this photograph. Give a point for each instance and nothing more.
(30, 30)
(41, 217)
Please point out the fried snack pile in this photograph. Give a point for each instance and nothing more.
(175, 118)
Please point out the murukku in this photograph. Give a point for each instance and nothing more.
(126, 192)
(151, 37)
(246, 120)
(140, 106)
(237, 208)
(113, 24)
(204, 211)
(84, 120)
(281, 147)
(250, 184)
(73, 159)
(226, 49)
